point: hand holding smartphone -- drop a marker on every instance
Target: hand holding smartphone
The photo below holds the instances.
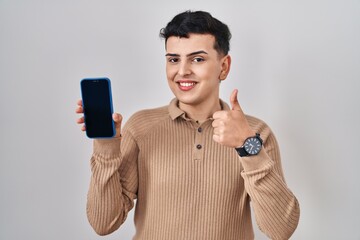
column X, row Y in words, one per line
column 97, row 107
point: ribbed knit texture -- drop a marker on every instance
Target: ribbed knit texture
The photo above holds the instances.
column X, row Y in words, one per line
column 187, row 186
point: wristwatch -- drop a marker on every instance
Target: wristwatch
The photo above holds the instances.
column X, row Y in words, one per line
column 252, row 146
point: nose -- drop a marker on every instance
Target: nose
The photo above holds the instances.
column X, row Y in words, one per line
column 184, row 69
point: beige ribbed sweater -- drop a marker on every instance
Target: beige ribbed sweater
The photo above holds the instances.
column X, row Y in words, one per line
column 187, row 186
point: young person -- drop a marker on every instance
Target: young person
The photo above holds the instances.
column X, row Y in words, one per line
column 195, row 164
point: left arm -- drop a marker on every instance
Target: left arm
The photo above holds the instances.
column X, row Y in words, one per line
column 276, row 208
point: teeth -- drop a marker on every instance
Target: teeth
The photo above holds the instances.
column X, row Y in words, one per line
column 185, row 84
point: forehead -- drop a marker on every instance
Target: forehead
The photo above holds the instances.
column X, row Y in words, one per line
column 194, row 42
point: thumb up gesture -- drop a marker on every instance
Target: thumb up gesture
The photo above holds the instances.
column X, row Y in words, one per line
column 230, row 126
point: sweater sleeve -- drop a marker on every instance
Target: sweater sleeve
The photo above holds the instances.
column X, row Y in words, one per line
column 276, row 208
column 113, row 184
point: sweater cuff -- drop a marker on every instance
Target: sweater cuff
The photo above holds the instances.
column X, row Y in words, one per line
column 255, row 162
column 107, row 147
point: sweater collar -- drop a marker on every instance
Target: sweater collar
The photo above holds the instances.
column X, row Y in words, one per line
column 175, row 111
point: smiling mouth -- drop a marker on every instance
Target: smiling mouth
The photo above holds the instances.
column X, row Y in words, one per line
column 186, row 85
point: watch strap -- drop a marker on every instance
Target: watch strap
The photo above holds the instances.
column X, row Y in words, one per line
column 241, row 151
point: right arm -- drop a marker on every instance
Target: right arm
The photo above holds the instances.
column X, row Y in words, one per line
column 114, row 179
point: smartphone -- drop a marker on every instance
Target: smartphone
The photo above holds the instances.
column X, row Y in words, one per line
column 98, row 109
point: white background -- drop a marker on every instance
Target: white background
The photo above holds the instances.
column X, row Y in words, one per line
column 296, row 65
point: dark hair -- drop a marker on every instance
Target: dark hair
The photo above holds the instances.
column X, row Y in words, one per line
column 198, row 22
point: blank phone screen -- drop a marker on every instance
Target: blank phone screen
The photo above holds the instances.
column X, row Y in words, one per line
column 97, row 104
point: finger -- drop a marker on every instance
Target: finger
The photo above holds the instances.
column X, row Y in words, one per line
column 83, row 128
column 217, row 131
column 79, row 109
column 80, row 120
column 234, row 101
column 214, row 124
column 216, row 115
column 219, row 114
column 79, row 102
column 216, row 138
column 217, row 123
column 117, row 117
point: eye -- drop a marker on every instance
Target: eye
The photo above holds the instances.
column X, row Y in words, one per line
column 173, row 60
column 198, row 59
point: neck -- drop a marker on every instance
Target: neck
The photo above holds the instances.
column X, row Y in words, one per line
column 201, row 112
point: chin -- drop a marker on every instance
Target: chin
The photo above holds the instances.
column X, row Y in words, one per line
column 188, row 100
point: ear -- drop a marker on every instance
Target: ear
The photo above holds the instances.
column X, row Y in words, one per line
column 225, row 67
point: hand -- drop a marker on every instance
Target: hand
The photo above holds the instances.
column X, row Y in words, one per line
column 116, row 117
column 230, row 126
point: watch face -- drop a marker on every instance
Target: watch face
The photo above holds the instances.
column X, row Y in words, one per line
column 252, row 145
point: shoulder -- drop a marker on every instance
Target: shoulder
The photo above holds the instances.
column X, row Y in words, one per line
column 144, row 120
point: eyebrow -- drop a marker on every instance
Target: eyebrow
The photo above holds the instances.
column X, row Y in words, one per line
column 188, row 55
